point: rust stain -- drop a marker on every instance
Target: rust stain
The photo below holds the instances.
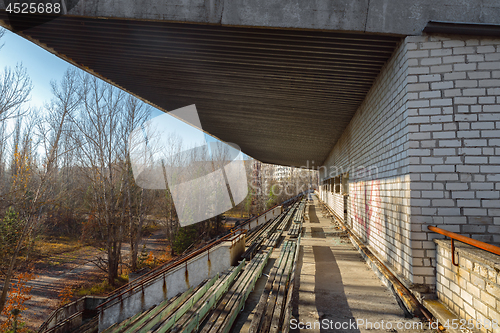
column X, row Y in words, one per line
column 121, row 308
column 209, row 264
column 164, row 287
column 143, row 300
column 186, row 276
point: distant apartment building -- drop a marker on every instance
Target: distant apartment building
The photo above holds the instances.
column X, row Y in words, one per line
column 282, row 172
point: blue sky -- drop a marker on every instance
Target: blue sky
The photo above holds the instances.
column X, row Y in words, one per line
column 43, row 67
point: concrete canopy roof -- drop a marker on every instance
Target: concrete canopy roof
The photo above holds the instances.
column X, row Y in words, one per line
column 284, row 96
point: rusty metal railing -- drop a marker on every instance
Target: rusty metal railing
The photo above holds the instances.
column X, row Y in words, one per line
column 118, row 293
column 285, row 203
column 255, row 217
column 464, row 239
column 122, row 291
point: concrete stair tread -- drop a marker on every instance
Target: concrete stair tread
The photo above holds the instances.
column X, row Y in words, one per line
column 442, row 314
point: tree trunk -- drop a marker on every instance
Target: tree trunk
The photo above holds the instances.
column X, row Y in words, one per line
column 112, row 263
column 136, row 235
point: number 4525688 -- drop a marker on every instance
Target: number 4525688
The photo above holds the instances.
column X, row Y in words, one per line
column 33, row 8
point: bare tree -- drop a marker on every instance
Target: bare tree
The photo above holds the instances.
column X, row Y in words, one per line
column 135, row 115
column 55, row 127
column 101, row 159
column 32, row 182
column 4, row 135
column 20, row 196
column 15, row 89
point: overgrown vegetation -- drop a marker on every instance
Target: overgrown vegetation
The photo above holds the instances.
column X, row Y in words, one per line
column 101, row 288
column 185, row 238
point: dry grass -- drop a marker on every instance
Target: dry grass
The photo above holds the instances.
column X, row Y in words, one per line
column 100, row 288
column 237, row 214
column 48, row 246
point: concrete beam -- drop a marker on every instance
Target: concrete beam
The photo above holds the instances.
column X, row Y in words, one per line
column 402, row 17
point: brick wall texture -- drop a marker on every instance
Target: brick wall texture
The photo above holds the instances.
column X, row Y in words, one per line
column 454, row 132
column 373, row 150
column 471, row 289
column 424, row 149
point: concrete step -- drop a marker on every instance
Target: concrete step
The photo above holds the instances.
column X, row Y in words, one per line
column 442, row 314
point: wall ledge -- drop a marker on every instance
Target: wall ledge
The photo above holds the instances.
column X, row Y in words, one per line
column 472, row 253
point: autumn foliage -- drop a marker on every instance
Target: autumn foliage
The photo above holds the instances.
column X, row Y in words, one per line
column 65, row 294
column 19, row 293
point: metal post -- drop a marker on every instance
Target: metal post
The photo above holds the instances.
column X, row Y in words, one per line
column 453, row 252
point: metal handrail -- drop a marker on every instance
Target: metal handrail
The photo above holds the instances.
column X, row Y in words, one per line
column 464, row 239
column 467, row 240
column 270, row 209
column 43, row 327
column 255, row 217
column 118, row 293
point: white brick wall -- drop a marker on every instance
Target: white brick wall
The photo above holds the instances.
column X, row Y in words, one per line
column 376, row 140
column 429, row 129
column 454, row 138
column 471, row 290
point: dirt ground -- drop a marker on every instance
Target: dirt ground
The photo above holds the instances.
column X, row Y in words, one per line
column 71, row 268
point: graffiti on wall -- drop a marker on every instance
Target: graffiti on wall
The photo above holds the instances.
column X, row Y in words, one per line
column 366, row 206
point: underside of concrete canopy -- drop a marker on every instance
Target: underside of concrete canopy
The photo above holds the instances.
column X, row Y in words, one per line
column 280, row 79
column 284, row 97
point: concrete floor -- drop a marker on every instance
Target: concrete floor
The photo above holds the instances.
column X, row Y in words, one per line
column 337, row 288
